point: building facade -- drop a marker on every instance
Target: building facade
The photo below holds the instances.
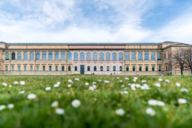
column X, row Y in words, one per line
column 88, row 58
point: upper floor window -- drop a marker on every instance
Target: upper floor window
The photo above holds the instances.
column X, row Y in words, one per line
column 120, row 56
column 101, row 56
column 107, row 56
column 13, row 56
column 44, row 56
column 75, row 56
column 158, row 56
column 37, row 56
column 146, row 56
column 19, row 56
column 69, row 56
column 126, row 56
column 133, row 56
column 139, row 56
column 94, row 56
column 50, row 56
column 25, row 56
column 62, row 56
column 152, row 56
column 31, row 56
column 88, row 56
column 82, row 56
column 114, row 56
column 6, row 56
column 56, row 56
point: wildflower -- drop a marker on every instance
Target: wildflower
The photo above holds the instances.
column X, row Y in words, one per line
column 106, row 81
column 99, row 80
column 56, row 85
column 125, row 92
column 135, row 78
column 146, row 86
column 2, row 107
column 160, row 79
column 31, row 96
column 167, row 81
column 70, row 81
column 15, row 82
column 55, row 104
column 48, row 88
column 117, row 77
column 150, row 111
column 153, row 102
column 158, row 85
column 94, row 83
column 69, row 85
column 21, row 92
column 133, row 88
column 138, row 85
column 10, row 85
column 10, row 106
column 120, row 81
column 143, row 81
column 59, row 111
column 178, row 84
column 160, row 103
column 182, row 101
column 91, row 88
column 120, row 112
column 184, row 90
column 129, row 84
column 76, row 103
column 94, row 86
column 86, row 83
column 22, row 82
column 126, row 78
column 122, row 86
column 77, row 79
column 4, row 84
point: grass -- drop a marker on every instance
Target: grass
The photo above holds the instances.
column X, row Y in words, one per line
column 97, row 107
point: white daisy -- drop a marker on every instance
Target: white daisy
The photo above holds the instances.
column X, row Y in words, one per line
column 143, row 81
column 76, row 103
column 4, row 84
column 21, row 92
column 182, row 101
column 22, row 82
column 31, row 96
column 120, row 112
column 106, row 81
column 59, row 111
column 126, row 78
column 117, row 77
column 94, row 83
column 56, row 85
column 94, row 86
column 153, row 102
column 2, row 107
column 47, row 88
column 120, row 81
column 99, row 80
column 77, row 79
column 160, row 79
column 69, row 85
column 158, row 85
column 178, row 84
column 10, row 85
column 138, row 85
column 10, row 106
column 15, row 82
column 91, row 88
column 184, row 90
column 167, row 81
column 160, row 103
column 150, row 111
column 86, row 83
column 55, row 104
column 70, row 81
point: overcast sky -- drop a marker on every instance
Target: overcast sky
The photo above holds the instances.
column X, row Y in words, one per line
column 96, row 20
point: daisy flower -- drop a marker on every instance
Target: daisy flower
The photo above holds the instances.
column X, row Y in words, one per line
column 76, row 103
column 120, row 112
column 59, row 111
column 150, row 111
column 22, row 82
column 55, row 104
column 31, row 96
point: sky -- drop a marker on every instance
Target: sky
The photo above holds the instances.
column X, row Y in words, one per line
column 95, row 21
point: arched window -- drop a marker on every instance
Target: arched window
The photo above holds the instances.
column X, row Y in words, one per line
column 120, row 68
column 95, row 68
column 126, row 56
column 101, row 68
column 101, row 56
column 120, row 56
column 88, row 56
column 114, row 68
column 19, row 56
column 94, row 56
column 37, row 56
column 152, row 56
column 44, row 56
column 62, row 56
column 114, row 56
column 133, row 56
column 69, row 56
column 158, row 56
column 82, row 56
column 6, row 56
column 50, row 56
column 13, row 56
column 75, row 56
column 107, row 56
column 69, row 68
column 56, row 56
column 140, row 68
column 25, row 56
column 88, row 68
column 31, row 56
column 127, row 68
column 146, row 56
column 139, row 56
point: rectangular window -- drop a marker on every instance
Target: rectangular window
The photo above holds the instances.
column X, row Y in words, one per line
column 56, row 68
column 37, row 69
column 75, row 68
column 133, row 68
column 12, row 68
column 50, row 68
column 107, row 68
column 6, row 68
column 114, row 68
column 95, row 68
column 146, row 68
column 43, row 68
column 19, row 68
column 153, row 68
column 25, row 68
column 166, row 68
column 120, row 68
column 88, row 68
column 140, row 68
column 127, row 68
column 159, row 68
column 31, row 68
column 63, row 68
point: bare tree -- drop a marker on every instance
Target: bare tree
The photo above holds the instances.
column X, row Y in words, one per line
column 188, row 58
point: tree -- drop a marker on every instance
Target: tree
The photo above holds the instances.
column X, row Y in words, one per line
column 188, row 58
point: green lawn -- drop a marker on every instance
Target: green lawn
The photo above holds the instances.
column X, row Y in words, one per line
column 98, row 107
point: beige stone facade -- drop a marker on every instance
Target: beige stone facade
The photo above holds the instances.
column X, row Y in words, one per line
column 88, row 58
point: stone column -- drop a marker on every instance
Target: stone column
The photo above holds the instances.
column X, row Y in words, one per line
column 47, row 57
column 143, row 56
column 149, row 55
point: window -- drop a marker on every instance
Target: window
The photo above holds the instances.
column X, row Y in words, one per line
column 120, row 68
column 31, row 68
column 13, row 56
column 114, row 68
column 18, row 68
column 127, row 68
column 101, row 68
column 69, row 68
column 44, row 56
column 153, row 68
column 94, row 56
column 126, row 56
column 37, row 68
column 120, row 56
column 56, row 68
column 25, row 56
column 82, row 57
column 25, row 68
column 56, row 56
column 146, row 68
column 50, row 56
column 75, row 68
column 114, row 56
column 38, row 56
column 152, row 56
column 63, row 68
column 31, row 56
column 7, row 56
column 12, row 68
column 75, row 56
column 166, row 68
column 50, row 68
column 69, row 56
column 62, row 56
column 43, row 68
column 133, row 68
column 6, row 68
column 146, row 56
column 88, row 56
column 107, row 68
column 133, row 56
column 95, row 68
column 19, row 56
column 101, row 56
column 140, row 68
column 158, row 56
column 107, row 56
column 159, row 68
column 139, row 56
column 88, row 68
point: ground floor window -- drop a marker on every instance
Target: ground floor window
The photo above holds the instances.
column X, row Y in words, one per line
column 75, row 68
column 166, row 68
column 120, row 68
column 101, row 68
column 153, row 68
column 50, row 68
column 6, row 68
column 19, row 68
column 159, row 68
column 88, row 68
column 146, row 68
column 69, row 68
column 114, row 68
column 43, row 68
column 56, row 68
column 140, row 68
column 127, row 68
column 37, row 68
column 63, row 68
column 12, row 68
column 133, row 68
column 107, row 68
column 25, row 68
column 31, row 68
column 95, row 68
